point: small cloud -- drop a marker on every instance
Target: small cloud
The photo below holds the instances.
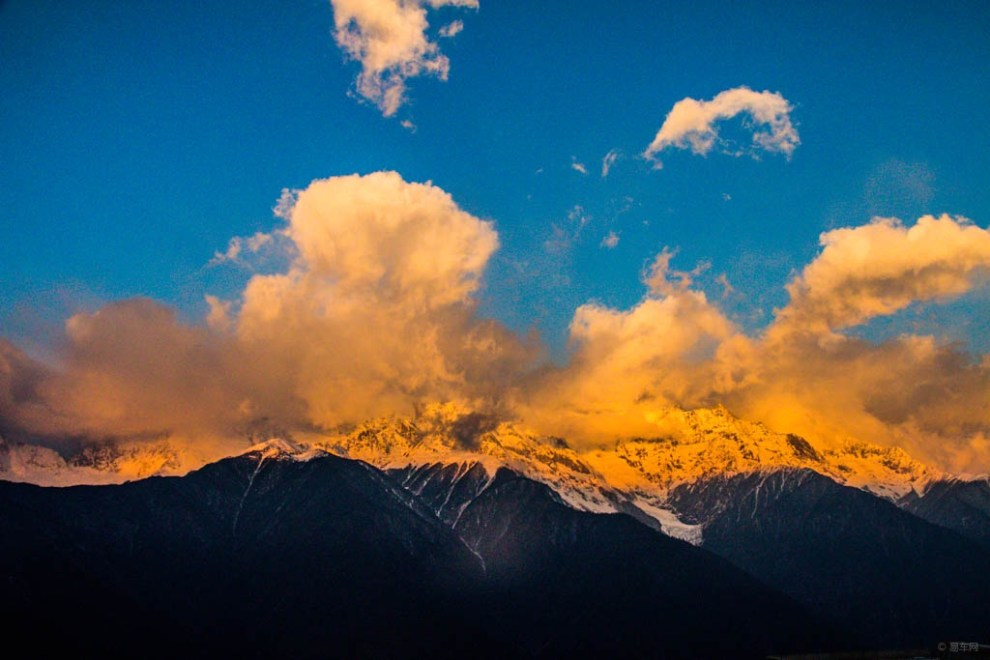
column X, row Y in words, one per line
column 578, row 166
column 578, row 216
column 662, row 280
column 608, row 161
column 389, row 39
column 693, row 124
column 408, row 125
column 727, row 288
column 726, row 197
column 238, row 245
column 610, row 241
column 451, row 29
column 564, row 235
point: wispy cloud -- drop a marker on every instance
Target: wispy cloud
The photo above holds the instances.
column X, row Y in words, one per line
column 608, row 161
column 565, row 234
column 610, row 241
column 238, row 246
column 389, row 38
column 694, row 124
column 578, row 166
column 452, row 29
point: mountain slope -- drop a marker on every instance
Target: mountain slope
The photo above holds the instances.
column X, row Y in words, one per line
column 892, row 578
column 626, row 475
column 276, row 554
column 960, row 505
column 568, row 583
column 259, row 553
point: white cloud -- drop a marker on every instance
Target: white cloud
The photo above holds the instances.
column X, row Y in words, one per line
column 608, row 161
column 389, row 38
column 578, row 166
column 694, row 124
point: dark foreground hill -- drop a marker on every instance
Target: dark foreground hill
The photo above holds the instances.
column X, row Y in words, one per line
column 266, row 555
column 882, row 573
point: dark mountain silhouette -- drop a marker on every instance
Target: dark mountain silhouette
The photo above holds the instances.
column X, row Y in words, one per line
column 963, row 506
column 890, row 577
column 257, row 554
column 267, row 555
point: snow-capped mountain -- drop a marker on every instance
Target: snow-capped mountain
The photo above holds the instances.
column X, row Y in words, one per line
column 633, row 476
column 527, row 518
column 105, row 463
column 277, row 553
column 707, row 442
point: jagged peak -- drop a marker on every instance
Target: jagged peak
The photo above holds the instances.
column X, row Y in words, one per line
column 283, row 449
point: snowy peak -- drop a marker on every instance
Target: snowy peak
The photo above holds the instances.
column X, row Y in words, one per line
column 92, row 464
column 274, row 448
column 432, row 453
column 633, row 476
column 707, row 442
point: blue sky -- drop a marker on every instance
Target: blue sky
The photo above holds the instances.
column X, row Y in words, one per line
column 137, row 138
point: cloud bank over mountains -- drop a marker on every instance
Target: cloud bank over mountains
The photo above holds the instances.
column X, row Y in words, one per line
column 375, row 314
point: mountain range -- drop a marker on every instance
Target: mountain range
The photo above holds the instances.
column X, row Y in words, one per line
column 454, row 533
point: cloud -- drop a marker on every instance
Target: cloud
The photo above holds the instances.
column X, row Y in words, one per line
column 881, row 268
column 389, row 38
column 662, row 280
column 578, row 166
column 238, row 245
column 611, row 241
column 802, row 374
column 373, row 314
column 727, row 288
column 608, row 161
column 564, row 235
column 694, row 124
column 22, row 379
column 624, row 364
column 452, row 29
column 377, row 312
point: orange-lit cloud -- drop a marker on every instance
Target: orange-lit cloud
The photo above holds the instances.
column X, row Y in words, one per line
column 801, row 375
column 374, row 314
column 881, row 268
column 389, row 38
column 694, row 124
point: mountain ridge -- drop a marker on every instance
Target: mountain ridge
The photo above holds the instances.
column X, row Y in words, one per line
column 270, row 555
column 633, row 476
